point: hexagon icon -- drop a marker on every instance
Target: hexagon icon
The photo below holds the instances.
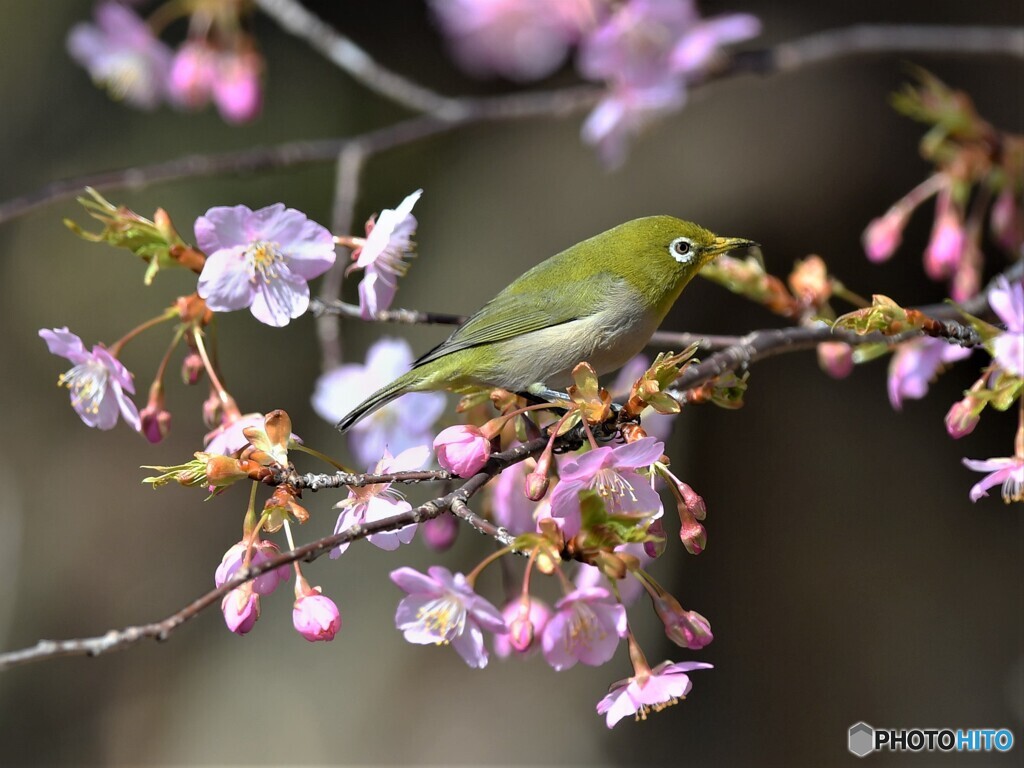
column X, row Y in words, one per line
column 861, row 739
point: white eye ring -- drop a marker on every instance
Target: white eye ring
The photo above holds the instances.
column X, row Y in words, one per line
column 681, row 249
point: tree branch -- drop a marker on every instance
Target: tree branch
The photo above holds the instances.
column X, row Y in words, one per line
column 117, row 639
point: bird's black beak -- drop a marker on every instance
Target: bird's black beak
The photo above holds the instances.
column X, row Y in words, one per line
column 725, row 244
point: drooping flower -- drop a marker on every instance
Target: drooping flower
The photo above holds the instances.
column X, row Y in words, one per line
column 1008, row 471
column 123, row 55
column 229, row 437
column 884, row 234
column 261, row 260
column 519, row 39
column 382, row 256
column 376, row 502
column 442, row 608
column 949, row 239
column 1008, row 302
column 462, row 449
column 192, row 75
column 586, row 627
column 401, row 424
column 915, row 364
column 612, row 473
column 263, row 551
column 630, row 588
column 99, row 383
column 525, row 619
column 237, row 89
column 314, row 615
column 241, row 608
column 652, row 689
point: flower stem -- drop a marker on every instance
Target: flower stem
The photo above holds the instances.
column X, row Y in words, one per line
column 472, row 576
column 225, row 398
column 168, row 314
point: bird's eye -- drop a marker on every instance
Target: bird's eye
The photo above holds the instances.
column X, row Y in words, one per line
column 681, row 250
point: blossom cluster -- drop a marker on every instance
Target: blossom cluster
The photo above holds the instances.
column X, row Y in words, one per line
column 644, row 52
column 218, row 61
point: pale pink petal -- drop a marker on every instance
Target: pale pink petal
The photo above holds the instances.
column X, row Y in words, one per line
column 225, row 283
column 280, row 300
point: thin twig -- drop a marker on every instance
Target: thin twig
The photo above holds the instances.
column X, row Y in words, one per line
column 482, row 525
column 318, row 482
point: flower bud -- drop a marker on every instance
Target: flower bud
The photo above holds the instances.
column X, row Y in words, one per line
column 694, row 537
column 462, row 449
column 883, row 235
column 236, row 89
column 687, row 629
column 526, row 618
column 439, row 533
column 810, row 283
column 156, row 423
column 536, row 486
column 694, row 501
column 192, row 369
column 835, row 359
column 1007, row 219
column 241, row 609
column 262, row 552
column 946, row 247
column 193, row 72
column 316, row 616
column 962, row 418
column 213, row 411
column 655, row 546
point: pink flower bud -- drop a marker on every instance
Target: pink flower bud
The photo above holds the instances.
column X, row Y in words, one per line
column 156, row 423
column 241, row 608
column 213, row 411
column 946, row 247
column 192, row 369
column 462, row 449
column 316, row 616
column 687, row 629
column 536, row 486
column 883, row 235
column 961, row 419
column 967, row 280
column 655, row 547
column 526, row 618
column 262, row 552
column 439, row 533
column 835, row 359
column 694, row 537
column 694, row 501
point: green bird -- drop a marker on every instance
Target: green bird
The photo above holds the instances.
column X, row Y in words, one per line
column 599, row 301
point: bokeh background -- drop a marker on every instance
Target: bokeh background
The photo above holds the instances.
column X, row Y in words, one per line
column 847, row 577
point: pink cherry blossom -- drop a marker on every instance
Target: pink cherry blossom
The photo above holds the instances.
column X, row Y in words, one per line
column 519, row 39
column 261, row 260
column 263, row 551
column 382, row 256
column 462, row 449
column 122, row 54
column 699, row 46
column 1008, row 471
column 237, row 89
column 440, row 533
column 376, row 502
column 511, row 508
column 442, row 607
column 1007, row 300
column 99, row 383
column 612, row 473
column 948, row 241
column 586, row 627
column 316, row 617
column 241, row 608
column 400, row 424
column 915, row 364
column 883, row 235
column 654, row 690
column 630, row 588
column 192, row 75
column 229, row 437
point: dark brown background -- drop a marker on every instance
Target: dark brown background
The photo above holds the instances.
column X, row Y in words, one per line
column 847, row 577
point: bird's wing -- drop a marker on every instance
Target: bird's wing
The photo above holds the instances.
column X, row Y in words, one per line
column 509, row 315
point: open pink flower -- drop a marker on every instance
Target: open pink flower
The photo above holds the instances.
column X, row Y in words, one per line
column 261, row 260
column 442, row 608
column 98, row 381
column 1007, row 301
column 376, row 502
column 1008, row 471
column 382, row 256
column 587, row 626
column 401, row 424
column 462, row 449
column 915, row 364
column 654, row 690
column 612, row 473
column 123, row 55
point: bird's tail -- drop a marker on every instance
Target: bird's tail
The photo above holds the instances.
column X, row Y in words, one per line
column 404, row 383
